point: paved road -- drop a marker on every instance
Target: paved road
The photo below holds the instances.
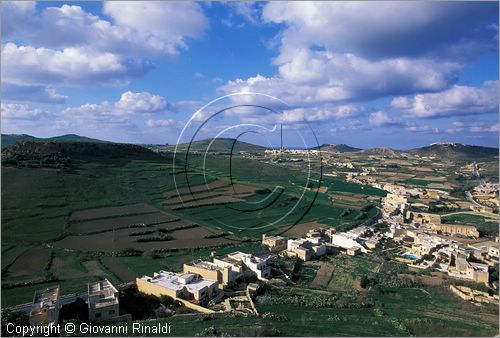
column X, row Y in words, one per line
column 469, row 197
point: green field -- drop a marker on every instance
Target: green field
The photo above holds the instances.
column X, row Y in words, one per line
column 38, row 204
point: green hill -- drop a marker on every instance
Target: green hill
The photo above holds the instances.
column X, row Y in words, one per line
column 60, row 154
column 381, row 151
column 337, row 148
column 456, row 152
column 220, row 145
column 11, row 139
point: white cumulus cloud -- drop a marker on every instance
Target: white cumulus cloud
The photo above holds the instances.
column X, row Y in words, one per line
column 15, row 111
column 458, row 100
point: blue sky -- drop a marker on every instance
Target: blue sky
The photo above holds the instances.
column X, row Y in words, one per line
column 397, row 74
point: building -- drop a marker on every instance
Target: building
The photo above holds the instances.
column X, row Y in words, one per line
column 306, row 249
column 424, row 244
column 396, row 231
column 393, row 203
column 422, row 218
column 472, row 295
column 468, row 270
column 354, row 251
column 493, row 252
column 237, row 260
column 328, row 234
column 224, row 275
column 346, row 242
column 103, row 301
column 456, row 229
column 45, row 308
column 274, row 243
column 187, row 286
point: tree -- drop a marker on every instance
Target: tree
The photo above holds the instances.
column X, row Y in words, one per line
column 19, row 318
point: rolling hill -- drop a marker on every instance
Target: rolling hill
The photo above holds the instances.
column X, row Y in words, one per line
column 58, row 154
column 336, row 148
column 220, row 145
column 11, row 139
column 456, row 151
column 381, row 151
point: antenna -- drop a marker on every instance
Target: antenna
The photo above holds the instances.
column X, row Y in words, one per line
column 281, row 135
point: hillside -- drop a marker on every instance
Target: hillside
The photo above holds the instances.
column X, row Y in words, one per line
column 456, row 152
column 381, row 151
column 220, row 145
column 337, row 148
column 53, row 154
column 11, row 139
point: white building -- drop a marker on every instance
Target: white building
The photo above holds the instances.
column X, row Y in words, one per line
column 238, row 259
column 103, row 301
column 346, row 242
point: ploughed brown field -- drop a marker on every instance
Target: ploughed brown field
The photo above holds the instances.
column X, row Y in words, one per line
column 215, row 192
column 117, row 240
column 120, row 222
column 124, row 210
column 139, row 226
column 127, row 216
column 301, row 229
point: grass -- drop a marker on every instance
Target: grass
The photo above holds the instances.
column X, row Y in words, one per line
column 416, row 181
column 348, row 270
column 445, row 314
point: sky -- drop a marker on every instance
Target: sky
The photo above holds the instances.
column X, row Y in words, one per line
column 367, row 74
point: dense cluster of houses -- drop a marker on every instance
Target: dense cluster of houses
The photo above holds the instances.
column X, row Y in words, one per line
column 430, row 243
column 321, row 241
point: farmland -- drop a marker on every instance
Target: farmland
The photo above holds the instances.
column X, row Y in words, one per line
column 122, row 218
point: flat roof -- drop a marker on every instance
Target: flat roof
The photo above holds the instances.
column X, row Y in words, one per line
column 205, row 265
column 275, row 238
column 170, row 280
column 101, row 294
column 46, row 298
